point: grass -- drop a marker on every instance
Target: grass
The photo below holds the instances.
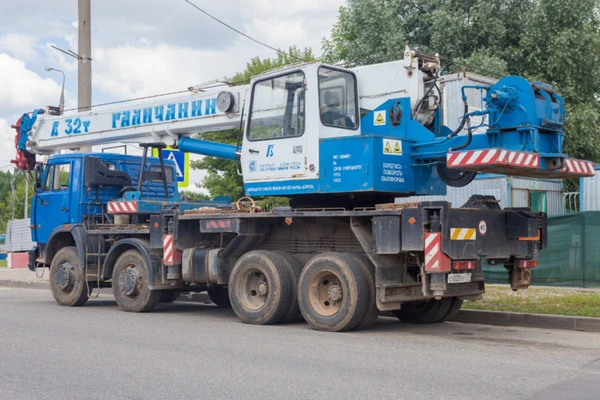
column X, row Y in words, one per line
column 555, row 301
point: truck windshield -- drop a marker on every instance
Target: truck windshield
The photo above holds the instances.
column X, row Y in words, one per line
column 277, row 108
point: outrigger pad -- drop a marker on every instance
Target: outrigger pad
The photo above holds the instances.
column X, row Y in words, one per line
column 519, row 163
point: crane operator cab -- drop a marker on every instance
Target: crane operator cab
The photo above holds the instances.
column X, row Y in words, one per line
column 287, row 121
column 315, row 129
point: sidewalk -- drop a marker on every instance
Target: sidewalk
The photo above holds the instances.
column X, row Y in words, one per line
column 24, row 278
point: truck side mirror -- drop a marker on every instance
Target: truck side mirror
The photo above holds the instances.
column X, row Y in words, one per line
column 39, row 172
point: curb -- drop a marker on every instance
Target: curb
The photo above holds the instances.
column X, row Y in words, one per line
column 26, row 284
column 500, row 318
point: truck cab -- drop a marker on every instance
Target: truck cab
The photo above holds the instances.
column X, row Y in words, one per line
column 73, row 190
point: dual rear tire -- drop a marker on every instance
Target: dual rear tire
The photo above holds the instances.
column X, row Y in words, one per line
column 333, row 292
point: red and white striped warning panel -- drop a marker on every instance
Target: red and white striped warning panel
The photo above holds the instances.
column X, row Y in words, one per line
column 171, row 256
column 579, row 167
column 435, row 259
column 493, row 157
column 120, row 207
column 517, row 163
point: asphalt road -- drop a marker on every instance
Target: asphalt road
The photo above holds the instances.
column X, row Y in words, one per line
column 196, row 351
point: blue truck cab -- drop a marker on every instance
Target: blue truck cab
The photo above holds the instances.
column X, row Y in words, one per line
column 73, row 190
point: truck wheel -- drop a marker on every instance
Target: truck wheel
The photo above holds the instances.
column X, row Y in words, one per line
column 169, row 296
column 455, row 306
column 130, row 283
column 424, row 312
column 294, row 268
column 260, row 288
column 333, row 292
column 369, row 273
column 67, row 278
column 219, row 296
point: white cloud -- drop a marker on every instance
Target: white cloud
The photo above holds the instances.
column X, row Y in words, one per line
column 22, row 90
column 18, row 45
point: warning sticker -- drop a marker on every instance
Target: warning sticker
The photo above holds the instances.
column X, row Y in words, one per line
column 379, row 118
column 392, row 147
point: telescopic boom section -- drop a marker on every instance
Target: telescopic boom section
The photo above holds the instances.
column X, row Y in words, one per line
column 157, row 120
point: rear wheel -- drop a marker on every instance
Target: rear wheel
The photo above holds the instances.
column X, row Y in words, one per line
column 369, row 273
column 260, row 288
column 455, row 306
column 294, row 268
column 425, row 312
column 130, row 282
column 67, row 278
column 333, row 293
column 219, row 296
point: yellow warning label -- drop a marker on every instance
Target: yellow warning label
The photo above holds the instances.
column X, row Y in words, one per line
column 379, row 118
column 387, row 149
column 392, row 147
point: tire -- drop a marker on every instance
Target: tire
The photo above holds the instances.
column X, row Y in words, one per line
column 332, row 292
column 455, row 306
column 260, row 288
column 369, row 274
column 130, row 283
column 219, row 296
column 67, row 278
column 424, row 312
column 169, row 296
column 294, row 268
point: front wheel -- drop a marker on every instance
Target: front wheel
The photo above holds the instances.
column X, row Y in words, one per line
column 131, row 285
column 67, row 278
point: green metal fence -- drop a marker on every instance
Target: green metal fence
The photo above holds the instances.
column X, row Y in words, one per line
column 572, row 257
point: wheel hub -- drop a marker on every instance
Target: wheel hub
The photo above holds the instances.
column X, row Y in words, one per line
column 263, row 289
column 334, row 292
column 63, row 277
column 128, row 281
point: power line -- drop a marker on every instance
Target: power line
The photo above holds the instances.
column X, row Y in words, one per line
column 240, row 32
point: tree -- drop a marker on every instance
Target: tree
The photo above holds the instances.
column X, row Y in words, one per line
column 553, row 41
column 12, row 197
column 222, row 178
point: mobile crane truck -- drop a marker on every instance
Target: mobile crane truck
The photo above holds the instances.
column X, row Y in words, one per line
column 342, row 144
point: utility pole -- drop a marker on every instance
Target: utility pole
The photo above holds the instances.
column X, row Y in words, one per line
column 84, row 65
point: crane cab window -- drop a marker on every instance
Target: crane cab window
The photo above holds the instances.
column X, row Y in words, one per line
column 57, row 177
column 277, row 108
column 337, row 98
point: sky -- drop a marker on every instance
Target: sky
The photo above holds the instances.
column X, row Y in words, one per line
column 141, row 47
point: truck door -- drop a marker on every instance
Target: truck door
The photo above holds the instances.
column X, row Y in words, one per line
column 53, row 200
column 275, row 144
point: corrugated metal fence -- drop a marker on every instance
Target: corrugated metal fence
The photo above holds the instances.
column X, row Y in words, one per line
column 18, row 236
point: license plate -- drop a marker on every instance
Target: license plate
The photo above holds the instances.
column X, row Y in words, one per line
column 459, row 278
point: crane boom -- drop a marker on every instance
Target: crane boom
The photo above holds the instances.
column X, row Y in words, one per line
column 161, row 120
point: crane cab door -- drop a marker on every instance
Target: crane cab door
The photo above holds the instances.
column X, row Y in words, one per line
column 278, row 152
column 53, row 200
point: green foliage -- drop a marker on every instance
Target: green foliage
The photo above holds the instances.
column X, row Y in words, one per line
column 9, row 209
column 222, row 178
column 257, row 66
column 553, row 41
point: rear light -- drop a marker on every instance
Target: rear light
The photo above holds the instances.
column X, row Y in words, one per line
column 464, row 264
column 527, row 263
